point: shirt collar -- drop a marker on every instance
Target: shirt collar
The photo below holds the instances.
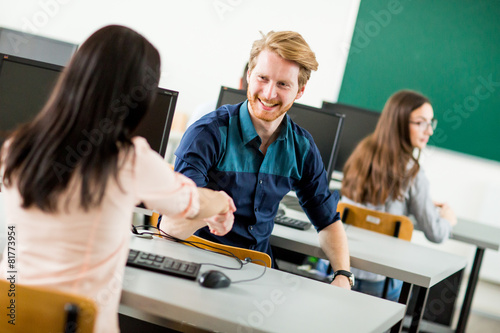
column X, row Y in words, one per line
column 285, row 126
column 248, row 132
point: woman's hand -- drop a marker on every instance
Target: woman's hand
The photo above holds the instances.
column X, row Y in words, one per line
column 446, row 212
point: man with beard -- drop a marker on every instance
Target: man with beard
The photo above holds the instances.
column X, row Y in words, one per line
column 254, row 152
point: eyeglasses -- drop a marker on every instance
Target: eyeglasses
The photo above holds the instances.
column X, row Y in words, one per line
column 423, row 125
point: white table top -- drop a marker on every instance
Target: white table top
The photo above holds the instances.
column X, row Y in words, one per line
column 277, row 302
column 376, row 253
column 482, row 235
column 479, row 234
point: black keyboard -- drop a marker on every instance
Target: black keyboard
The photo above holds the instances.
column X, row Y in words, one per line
column 161, row 264
column 291, row 202
column 292, row 223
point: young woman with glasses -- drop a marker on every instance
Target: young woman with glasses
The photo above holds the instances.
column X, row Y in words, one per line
column 383, row 173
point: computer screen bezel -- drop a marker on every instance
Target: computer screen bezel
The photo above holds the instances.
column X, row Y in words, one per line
column 344, row 109
column 31, row 62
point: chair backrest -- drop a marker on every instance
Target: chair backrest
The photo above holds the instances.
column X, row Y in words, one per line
column 37, row 309
column 257, row 257
column 393, row 225
column 239, row 252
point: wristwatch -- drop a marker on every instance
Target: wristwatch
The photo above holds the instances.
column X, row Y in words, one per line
column 349, row 275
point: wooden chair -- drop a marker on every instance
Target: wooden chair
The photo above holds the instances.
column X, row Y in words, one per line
column 37, row 309
column 259, row 258
column 398, row 226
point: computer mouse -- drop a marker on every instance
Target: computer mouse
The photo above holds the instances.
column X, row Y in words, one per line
column 214, row 279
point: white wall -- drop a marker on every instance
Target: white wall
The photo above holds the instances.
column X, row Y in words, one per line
column 471, row 186
column 205, row 43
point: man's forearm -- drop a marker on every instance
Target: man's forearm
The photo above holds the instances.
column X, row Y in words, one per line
column 333, row 241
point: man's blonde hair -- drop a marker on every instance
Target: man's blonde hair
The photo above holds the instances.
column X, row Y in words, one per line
column 290, row 46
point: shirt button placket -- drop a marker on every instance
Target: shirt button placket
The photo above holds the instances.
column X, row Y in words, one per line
column 260, row 182
column 258, row 190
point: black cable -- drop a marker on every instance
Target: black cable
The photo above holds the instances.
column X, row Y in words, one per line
column 162, row 233
column 228, row 253
column 256, row 278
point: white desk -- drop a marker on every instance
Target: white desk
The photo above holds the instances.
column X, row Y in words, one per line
column 277, row 302
column 483, row 237
column 377, row 253
column 478, row 234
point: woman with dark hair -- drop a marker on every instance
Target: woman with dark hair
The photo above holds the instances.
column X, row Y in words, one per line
column 74, row 174
column 383, row 174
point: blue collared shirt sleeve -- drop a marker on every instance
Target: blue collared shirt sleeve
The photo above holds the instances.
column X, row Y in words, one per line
column 319, row 204
column 198, row 152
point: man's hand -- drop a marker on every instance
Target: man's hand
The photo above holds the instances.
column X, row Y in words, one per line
column 342, row 282
column 219, row 224
column 222, row 223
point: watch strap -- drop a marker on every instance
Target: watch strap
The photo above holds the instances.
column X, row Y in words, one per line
column 347, row 274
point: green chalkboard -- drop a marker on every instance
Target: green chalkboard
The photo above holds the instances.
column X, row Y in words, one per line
column 449, row 50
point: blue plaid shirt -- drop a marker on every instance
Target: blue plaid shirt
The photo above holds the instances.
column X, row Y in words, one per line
column 221, row 151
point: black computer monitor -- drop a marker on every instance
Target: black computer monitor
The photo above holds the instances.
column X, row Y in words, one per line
column 25, row 86
column 325, row 126
column 25, row 45
column 231, row 96
column 358, row 124
column 155, row 126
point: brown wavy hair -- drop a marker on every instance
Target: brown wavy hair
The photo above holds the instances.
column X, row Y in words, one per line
column 380, row 166
column 99, row 99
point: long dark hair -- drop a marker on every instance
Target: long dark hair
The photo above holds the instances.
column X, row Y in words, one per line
column 99, row 99
column 378, row 167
